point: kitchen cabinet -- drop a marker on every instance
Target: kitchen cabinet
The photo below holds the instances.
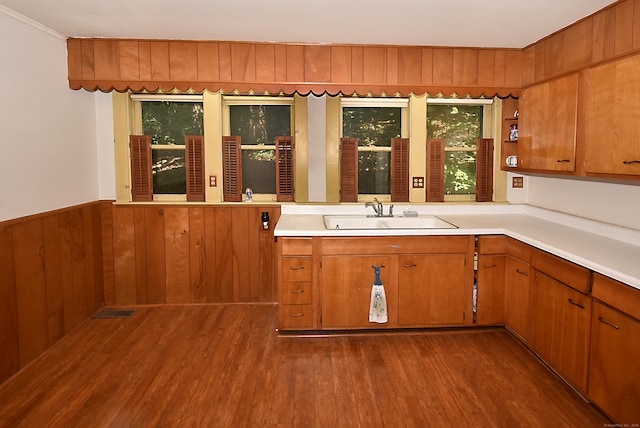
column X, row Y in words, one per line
column 428, row 281
column 490, row 274
column 612, row 134
column 548, row 125
column 509, row 144
column 614, row 367
column 517, row 298
column 295, row 279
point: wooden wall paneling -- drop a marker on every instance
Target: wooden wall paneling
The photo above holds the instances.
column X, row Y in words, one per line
column 391, row 68
column 426, row 77
column 554, row 58
column 280, row 53
column 442, row 66
column 317, row 64
column 176, row 255
column 224, row 61
column 578, row 45
column 74, row 59
column 409, row 65
column 160, row 61
column 241, row 260
column 357, row 64
column 74, row 275
column 207, row 59
column 53, row 277
column 295, row 63
column 155, row 255
column 243, row 62
column 267, row 284
column 108, row 276
column 223, row 261
column 9, row 357
column 106, row 59
column 528, row 65
column 265, row 63
column 465, row 67
column 636, row 25
column 624, row 27
column 603, row 39
column 124, row 259
column 144, row 60
column 254, row 278
column 31, row 293
column 129, row 60
column 541, row 60
column 487, row 70
column 197, row 256
column 94, row 223
column 513, row 66
column 341, row 64
column 183, row 61
column 139, row 242
column 374, row 62
column 88, row 62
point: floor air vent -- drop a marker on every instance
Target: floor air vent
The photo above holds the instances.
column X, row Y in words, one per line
column 115, row 313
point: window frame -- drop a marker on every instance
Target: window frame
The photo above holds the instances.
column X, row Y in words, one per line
column 244, row 100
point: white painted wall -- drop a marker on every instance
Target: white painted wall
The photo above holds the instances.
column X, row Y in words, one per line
column 48, row 132
column 317, row 148
column 617, row 204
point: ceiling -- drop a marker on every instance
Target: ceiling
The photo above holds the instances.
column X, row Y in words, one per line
column 478, row 23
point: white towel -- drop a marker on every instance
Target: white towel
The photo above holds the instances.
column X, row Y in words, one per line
column 378, row 305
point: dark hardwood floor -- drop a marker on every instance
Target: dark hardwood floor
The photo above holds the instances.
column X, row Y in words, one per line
column 225, row 366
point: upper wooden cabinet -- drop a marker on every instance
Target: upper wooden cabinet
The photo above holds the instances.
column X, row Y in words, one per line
column 612, row 137
column 547, row 132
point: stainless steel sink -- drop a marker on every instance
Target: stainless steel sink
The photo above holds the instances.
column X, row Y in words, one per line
column 359, row 222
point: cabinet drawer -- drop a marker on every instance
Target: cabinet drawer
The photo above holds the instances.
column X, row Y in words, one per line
column 564, row 271
column 296, row 268
column 295, row 317
column 492, row 244
column 297, row 246
column 397, row 245
column 296, row 292
column 619, row 295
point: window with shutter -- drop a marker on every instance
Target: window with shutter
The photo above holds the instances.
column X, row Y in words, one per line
column 348, row 170
column 194, row 147
column 141, row 180
column 284, row 168
column 435, row 170
column 400, row 170
column 232, row 169
column 484, row 170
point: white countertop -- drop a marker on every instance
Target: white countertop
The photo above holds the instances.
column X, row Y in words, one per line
column 607, row 249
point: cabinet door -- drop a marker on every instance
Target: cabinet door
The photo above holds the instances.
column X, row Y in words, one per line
column 346, row 290
column 517, row 298
column 548, row 117
column 562, row 328
column 490, row 294
column 432, row 290
column 614, row 368
column 612, row 134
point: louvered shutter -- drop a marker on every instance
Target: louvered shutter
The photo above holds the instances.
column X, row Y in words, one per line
column 194, row 152
column 141, row 178
column 348, row 169
column 484, row 170
column 284, row 169
column 435, row 170
column 232, row 169
column 400, row 170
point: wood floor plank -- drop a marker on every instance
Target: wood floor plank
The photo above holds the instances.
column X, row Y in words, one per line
column 225, row 366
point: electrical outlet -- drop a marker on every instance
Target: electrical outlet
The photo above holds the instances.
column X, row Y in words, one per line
column 418, row 182
column 517, row 182
column 213, row 181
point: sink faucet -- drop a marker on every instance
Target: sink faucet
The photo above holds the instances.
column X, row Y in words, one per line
column 378, row 208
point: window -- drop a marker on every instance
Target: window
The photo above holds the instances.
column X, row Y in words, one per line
column 262, row 127
column 374, row 127
column 169, row 148
column 461, row 127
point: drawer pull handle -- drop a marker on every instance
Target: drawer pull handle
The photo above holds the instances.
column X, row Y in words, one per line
column 296, row 267
column 576, row 303
column 563, row 160
column 296, row 291
column 631, row 161
column 602, row 320
column 522, row 272
column 409, row 265
column 298, row 315
column 395, row 246
column 488, row 266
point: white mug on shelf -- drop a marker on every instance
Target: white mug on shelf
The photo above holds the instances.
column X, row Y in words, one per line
column 512, row 161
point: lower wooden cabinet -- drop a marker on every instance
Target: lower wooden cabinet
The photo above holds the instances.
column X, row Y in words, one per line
column 490, row 304
column 517, row 291
column 295, row 284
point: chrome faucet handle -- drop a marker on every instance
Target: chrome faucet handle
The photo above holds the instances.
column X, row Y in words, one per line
column 391, row 210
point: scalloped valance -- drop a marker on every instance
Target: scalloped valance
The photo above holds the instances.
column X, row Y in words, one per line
column 241, row 67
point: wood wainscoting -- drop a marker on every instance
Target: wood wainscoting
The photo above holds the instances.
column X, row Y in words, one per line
column 175, row 254
column 50, row 280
